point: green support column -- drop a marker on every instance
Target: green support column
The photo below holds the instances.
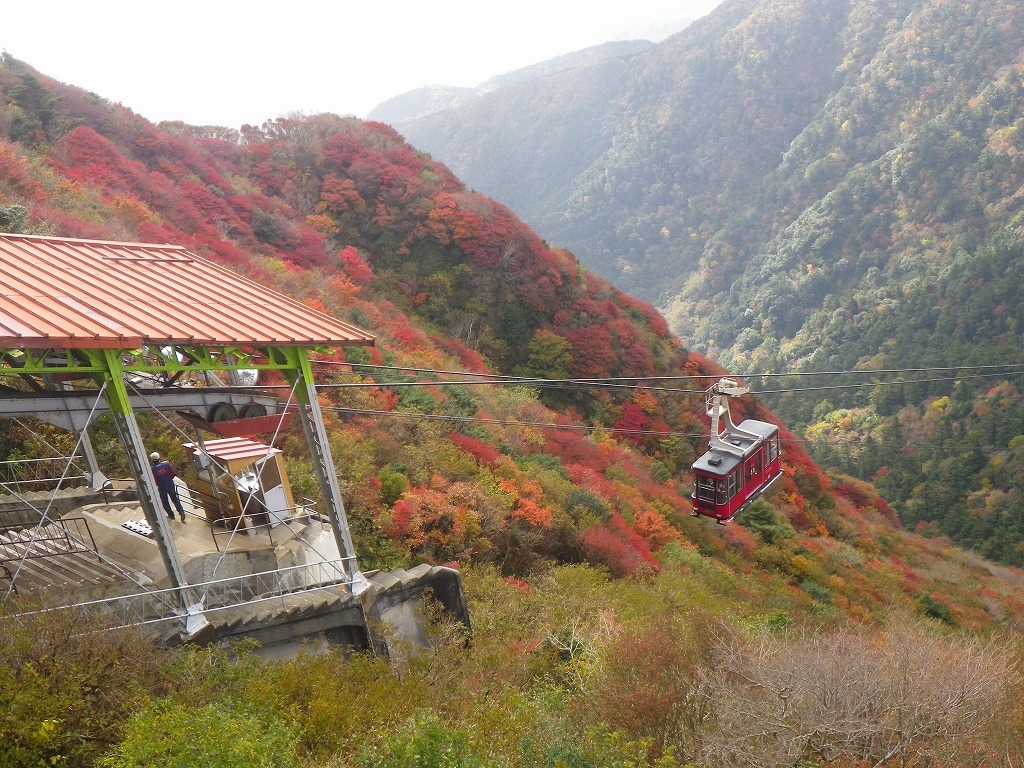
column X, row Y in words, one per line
column 149, row 495
column 313, row 426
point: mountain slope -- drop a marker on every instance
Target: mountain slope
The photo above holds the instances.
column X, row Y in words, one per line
column 346, row 216
column 809, row 186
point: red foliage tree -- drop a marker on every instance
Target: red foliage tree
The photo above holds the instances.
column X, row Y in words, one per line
column 479, row 450
column 615, row 545
column 655, row 529
column 631, row 424
column 355, row 266
column 592, row 353
column 15, row 180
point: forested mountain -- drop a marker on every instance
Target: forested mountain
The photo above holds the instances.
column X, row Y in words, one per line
column 346, row 216
column 610, row 627
column 808, row 186
column 431, row 99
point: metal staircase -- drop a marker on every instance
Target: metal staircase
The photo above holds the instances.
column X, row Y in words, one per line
column 58, row 556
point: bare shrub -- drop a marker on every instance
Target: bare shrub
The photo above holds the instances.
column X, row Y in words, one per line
column 906, row 697
column 648, row 682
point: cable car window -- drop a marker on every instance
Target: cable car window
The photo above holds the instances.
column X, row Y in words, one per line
column 722, row 497
column 706, row 488
column 773, row 448
column 734, row 484
column 755, row 464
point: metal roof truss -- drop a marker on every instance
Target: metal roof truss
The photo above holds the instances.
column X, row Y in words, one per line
column 170, row 360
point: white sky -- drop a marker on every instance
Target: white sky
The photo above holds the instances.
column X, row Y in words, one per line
column 228, row 63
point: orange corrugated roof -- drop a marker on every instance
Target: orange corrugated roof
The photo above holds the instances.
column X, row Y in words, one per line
column 232, row 449
column 66, row 293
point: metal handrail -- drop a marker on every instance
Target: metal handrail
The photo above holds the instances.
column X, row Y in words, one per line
column 306, row 510
column 294, row 515
column 118, row 485
column 78, row 532
column 216, row 595
column 73, row 545
column 22, row 471
column 60, row 481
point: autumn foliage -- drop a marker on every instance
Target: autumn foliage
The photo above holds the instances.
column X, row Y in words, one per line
column 498, row 425
column 482, row 427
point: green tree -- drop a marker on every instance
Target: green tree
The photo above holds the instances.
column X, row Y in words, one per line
column 426, row 742
column 549, row 356
column 12, row 217
column 35, row 118
column 217, row 735
column 763, row 519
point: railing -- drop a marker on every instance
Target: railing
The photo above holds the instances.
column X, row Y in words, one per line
column 71, row 533
column 45, row 474
column 116, row 487
column 175, row 604
column 247, row 525
column 78, row 530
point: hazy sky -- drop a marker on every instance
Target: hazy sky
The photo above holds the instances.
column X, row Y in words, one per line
column 229, row 63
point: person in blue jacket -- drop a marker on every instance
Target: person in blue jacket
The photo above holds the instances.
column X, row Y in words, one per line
column 164, row 474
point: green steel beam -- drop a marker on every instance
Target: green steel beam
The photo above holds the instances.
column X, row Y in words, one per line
column 124, row 419
column 179, row 359
column 300, row 372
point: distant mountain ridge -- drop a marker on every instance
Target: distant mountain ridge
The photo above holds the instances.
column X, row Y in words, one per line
column 420, row 102
column 431, row 99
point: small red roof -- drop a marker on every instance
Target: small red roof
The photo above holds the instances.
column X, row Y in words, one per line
column 232, row 449
column 59, row 292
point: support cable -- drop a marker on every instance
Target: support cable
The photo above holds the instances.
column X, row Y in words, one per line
column 45, row 513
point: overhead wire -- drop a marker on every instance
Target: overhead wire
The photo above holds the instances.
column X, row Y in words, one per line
column 332, row 363
column 639, row 382
column 508, row 422
column 864, row 385
column 865, row 372
column 468, row 378
column 601, row 384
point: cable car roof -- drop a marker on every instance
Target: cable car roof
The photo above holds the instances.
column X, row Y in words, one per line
column 719, row 462
column 88, row 294
column 761, row 428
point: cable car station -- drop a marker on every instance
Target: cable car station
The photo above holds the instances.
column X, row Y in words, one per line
column 90, row 329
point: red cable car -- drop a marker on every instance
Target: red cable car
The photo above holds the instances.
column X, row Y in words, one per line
column 741, row 461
